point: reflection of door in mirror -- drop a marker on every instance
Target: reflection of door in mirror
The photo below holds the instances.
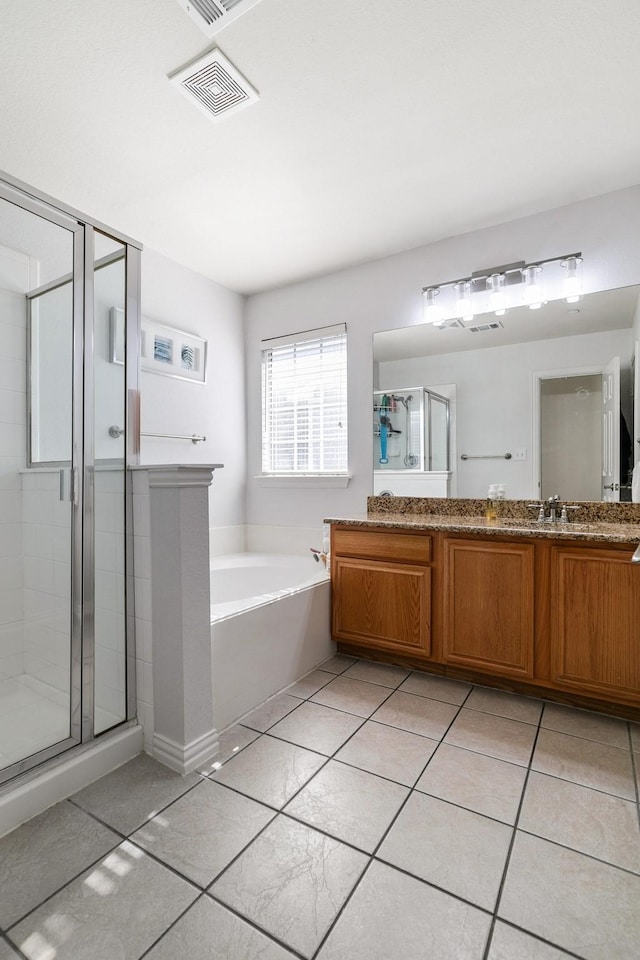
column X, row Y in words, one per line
column 580, row 435
column 571, row 437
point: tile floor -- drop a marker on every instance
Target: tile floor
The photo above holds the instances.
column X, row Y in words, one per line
column 368, row 813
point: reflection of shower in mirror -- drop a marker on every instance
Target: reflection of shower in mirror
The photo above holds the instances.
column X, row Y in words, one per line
column 411, row 437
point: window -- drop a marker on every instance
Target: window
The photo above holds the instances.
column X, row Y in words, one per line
column 304, row 403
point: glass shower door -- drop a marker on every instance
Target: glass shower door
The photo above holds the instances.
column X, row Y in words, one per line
column 40, row 303
column 109, row 478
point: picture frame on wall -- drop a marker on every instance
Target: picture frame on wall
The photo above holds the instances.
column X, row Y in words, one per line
column 172, row 353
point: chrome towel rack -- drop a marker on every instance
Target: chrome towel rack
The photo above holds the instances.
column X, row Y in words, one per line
column 194, row 437
column 485, row 456
column 116, row 432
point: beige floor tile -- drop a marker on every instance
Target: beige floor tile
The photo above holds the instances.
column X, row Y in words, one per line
column 231, row 742
column 575, row 902
column 383, row 673
column 348, row 803
column 587, row 820
column 133, row 793
column 437, row 688
column 587, row 762
column 269, row 770
column 388, row 752
column 587, row 724
column 394, row 917
column 635, row 737
column 72, row 840
column 203, row 831
column 291, row 882
column 310, row 684
column 429, row 718
column 352, row 696
column 118, row 908
column 7, row 952
column 503, row 704
column 508, row 943
column 208, row 931
column 475, row 781
column 317, row 727
column 497, row 737
column 460, row 851
column 338, row 663
column 270, row 712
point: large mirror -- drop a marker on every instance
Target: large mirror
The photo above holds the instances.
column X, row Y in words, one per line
column 541, row 401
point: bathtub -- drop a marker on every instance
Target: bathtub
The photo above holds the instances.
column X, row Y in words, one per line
column 270, row 624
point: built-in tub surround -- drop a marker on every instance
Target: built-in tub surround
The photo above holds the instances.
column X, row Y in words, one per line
column 276, row 639
column 270, row 614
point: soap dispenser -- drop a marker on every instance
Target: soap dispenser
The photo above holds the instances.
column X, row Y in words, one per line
column 490, row 510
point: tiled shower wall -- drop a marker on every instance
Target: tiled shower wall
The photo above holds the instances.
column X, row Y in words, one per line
column 13, row 323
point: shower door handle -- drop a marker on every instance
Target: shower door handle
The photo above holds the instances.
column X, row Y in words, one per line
column 72, row 494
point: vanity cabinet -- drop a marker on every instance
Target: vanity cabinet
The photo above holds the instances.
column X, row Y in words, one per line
column 595, row 621
column 382, row 590
column 488, row 606
column 535, row 614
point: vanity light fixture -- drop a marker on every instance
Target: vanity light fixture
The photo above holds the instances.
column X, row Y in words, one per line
column 497, row 289
column 532, row 286
column 497, row 297
column 572, row 285
column 463, row 300
column 431, row 310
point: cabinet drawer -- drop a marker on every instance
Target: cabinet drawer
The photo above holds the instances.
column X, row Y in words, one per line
column 382, row 545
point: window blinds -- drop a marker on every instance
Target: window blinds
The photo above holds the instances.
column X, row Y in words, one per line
column 304, row 403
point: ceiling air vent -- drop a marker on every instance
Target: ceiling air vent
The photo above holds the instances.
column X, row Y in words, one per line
column 214, row 15
column 481, row 327
column 214, row 85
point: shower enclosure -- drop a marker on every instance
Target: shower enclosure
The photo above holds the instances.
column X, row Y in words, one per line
column 69, row 290
column 411, row 430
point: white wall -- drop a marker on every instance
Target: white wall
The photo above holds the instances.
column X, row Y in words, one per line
column 495, row 401
column 178, row 297
column 385, row 294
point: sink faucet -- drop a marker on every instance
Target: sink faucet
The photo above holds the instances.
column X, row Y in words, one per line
column 558, row 512
column 554, row 507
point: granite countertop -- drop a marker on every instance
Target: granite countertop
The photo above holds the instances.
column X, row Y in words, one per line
column 574, row 530
column 591, row 520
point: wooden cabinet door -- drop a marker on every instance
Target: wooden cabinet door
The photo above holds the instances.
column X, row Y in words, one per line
column 596, row 620
column 488, row 606
column 384, row 606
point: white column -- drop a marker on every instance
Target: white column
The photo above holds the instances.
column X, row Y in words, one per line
column 184, row 735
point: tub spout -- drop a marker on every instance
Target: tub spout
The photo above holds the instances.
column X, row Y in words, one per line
column 318, row 555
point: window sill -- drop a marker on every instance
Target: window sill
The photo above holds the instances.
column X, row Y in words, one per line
column 314, row 481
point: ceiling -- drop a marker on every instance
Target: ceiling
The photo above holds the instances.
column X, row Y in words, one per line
column 381, row 125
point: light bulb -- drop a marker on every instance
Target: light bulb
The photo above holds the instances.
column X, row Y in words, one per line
column 497, row 298
column 430, row 309
column 463, row 300
column 532, row 287
column 572, row 285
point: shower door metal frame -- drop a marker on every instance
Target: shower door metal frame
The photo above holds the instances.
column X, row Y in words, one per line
column 82, row 633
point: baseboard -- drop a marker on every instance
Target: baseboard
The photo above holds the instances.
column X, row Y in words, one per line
column 183, row 758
